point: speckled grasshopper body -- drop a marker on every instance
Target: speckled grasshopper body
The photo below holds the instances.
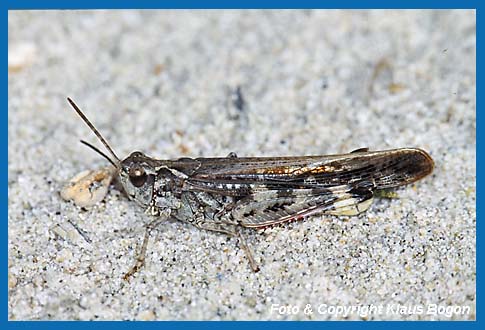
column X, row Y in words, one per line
column 228, row 193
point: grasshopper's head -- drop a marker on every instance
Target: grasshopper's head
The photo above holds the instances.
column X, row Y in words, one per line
column 137, row 176
column 136, row 173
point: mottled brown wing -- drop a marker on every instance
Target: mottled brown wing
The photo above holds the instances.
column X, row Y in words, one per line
column 243, row 176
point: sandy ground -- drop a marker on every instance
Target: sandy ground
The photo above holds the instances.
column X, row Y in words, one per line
column 312, row 82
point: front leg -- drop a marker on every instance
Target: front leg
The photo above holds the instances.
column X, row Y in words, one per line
column 140, row 259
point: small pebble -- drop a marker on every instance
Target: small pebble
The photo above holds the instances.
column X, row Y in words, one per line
column 12, row 281
column 20, row 56
column 88, row 187
column 146, row 315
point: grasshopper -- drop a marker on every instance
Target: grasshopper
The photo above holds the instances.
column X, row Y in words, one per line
column 226, row 194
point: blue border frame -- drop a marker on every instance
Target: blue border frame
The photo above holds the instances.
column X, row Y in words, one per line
column 193, row 4
column 7, row 5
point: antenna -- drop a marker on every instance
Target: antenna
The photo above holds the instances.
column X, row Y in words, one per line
column 99, row 152
column 98, row 135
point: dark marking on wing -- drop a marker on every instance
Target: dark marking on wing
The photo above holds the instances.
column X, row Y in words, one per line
column 385, row 169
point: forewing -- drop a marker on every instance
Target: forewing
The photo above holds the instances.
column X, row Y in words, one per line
column 386, row 169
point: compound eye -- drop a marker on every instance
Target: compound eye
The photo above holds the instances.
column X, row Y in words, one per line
column 136, row 154
column 138, row 177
